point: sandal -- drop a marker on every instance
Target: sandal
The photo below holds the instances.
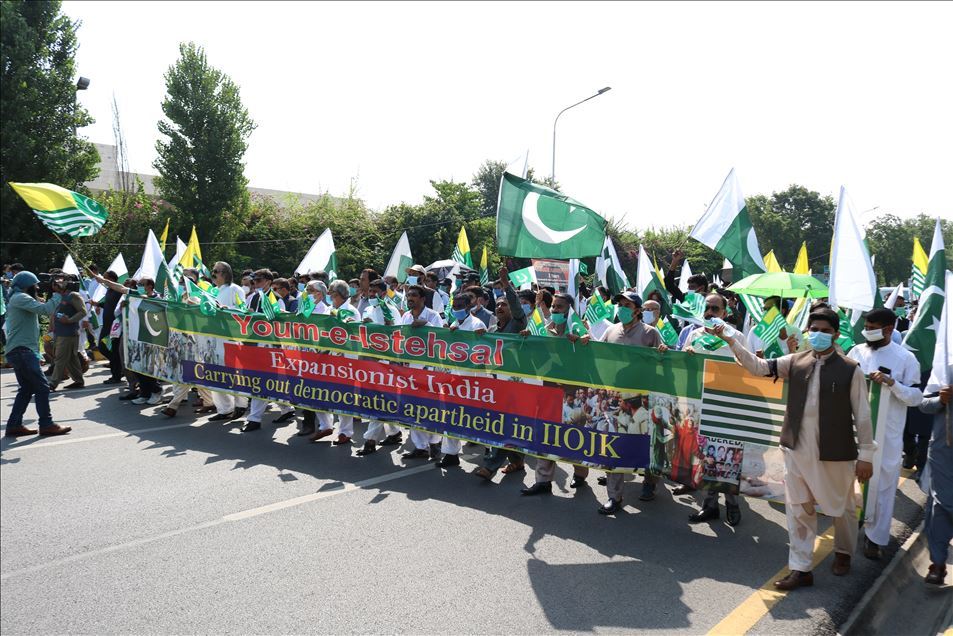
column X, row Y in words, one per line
column 513, row 468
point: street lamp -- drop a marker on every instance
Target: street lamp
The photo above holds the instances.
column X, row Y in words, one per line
column 82, row 83
column 600, row 92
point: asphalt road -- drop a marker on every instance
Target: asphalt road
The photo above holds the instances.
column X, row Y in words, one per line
column 137, row 523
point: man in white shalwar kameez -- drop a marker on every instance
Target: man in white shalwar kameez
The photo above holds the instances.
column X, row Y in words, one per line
column 898, row 371
column 827, row 406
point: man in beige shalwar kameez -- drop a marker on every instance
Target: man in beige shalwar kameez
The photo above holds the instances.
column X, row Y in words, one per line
column 827, row 403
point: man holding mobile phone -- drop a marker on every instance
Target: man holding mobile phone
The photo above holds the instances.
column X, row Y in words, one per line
column 898, row 372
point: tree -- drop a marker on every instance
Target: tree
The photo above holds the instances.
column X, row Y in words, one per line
column 38, row 141
column 787, row 218
column 891, row 243
column 200, row 162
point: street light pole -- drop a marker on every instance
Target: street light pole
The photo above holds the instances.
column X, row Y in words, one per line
column 552, row 175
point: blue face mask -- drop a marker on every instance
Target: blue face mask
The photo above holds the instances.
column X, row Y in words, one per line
column 411, row 280
column 141, row 290
column 624, row 314
column 819, row 340
column 353, row 290
column 527, row 308
column 460, row 314
column 558, row 319
column 373, row 302
column 300, row 287
column 497, row 293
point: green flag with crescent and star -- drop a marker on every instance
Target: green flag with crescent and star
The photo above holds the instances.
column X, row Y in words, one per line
column 153, row 325
column 534, row 221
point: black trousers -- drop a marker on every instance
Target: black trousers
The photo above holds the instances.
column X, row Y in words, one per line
column 113, row 355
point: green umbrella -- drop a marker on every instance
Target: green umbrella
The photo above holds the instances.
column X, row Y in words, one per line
column 783, row 284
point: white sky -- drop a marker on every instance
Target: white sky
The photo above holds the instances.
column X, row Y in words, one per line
column 397, row 94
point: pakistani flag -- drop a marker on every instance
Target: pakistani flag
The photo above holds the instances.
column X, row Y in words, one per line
column 669, row 335
column 533, row 221
column 207, row 302
column 921, row 339
column 574, row 324
column 152, row 258
column 684, row 276
column 485, row 268
column 461, row 251
column 167, row 284
column 942, row 373
column 180, row 248
column 321, row 256
column 62, row 211
column 609, row 268
column 122, row 272
column 521, row 277
column 726, row 228
column 852, row 282
column 647, row 280
column 400, row 260
column 920, row 265
column 148, row 322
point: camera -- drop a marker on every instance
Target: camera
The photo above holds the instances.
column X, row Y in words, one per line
column 70, row 282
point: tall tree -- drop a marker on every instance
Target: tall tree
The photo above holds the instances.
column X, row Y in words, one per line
column 206, row 131
column 38, row 139
column 785, row 219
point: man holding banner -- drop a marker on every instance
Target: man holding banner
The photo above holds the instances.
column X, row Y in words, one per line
column 827, row 407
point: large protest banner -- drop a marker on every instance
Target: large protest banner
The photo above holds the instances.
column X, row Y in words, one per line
column 608, row 406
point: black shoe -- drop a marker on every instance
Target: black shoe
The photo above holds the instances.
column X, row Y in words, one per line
column 705, row 514
column 221, row 417
column 539, row 488
column 602, row 480
column 732, row 514
column 370, row 446
column 306, row 430
column 909, row 462
column 112, row 380
column 247, row 427
column 648, row 494
column 610, row 507
column 240, row 411
column 132, row 395
column 872, row 550
column 578, row 482
column 417, row 453
column 683, row 490
column 434, row 452
column 393, row 440
column 449, row 460
column 284, row 417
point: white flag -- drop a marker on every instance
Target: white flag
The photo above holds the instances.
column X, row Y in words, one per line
column 400, row 259
column 894, row 295
column 683, row 279
column 180, row 248
column 852, row 282
column 69, row 266
column 151, row 258
column 321, row 256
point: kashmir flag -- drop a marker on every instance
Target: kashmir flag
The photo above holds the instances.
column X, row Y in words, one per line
column 321, row 256
column 400, row 260
column 921, row 338
column 598, row 309
column 802, row 266
column 165, row 235
column 536, row 324
column 669, row 335
column 920, row 265
column 771, row 262
column 192, row 256
column 152, row 258
column 270, row 305
column 852, row 282
column 769, row 330
column 461, row 251
column 647, row 280
column 609, row 268
column 726, row 228
column 485, row 268
column 63, row 211
column 166, row 283
column 534, row 221
column 521, row 277
column 208, row 305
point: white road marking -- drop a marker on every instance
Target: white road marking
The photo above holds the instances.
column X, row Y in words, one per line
column 92, row 438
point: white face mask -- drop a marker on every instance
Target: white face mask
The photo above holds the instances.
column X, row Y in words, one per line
column 648, row 317
column 246, row 289
column 873, row 335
